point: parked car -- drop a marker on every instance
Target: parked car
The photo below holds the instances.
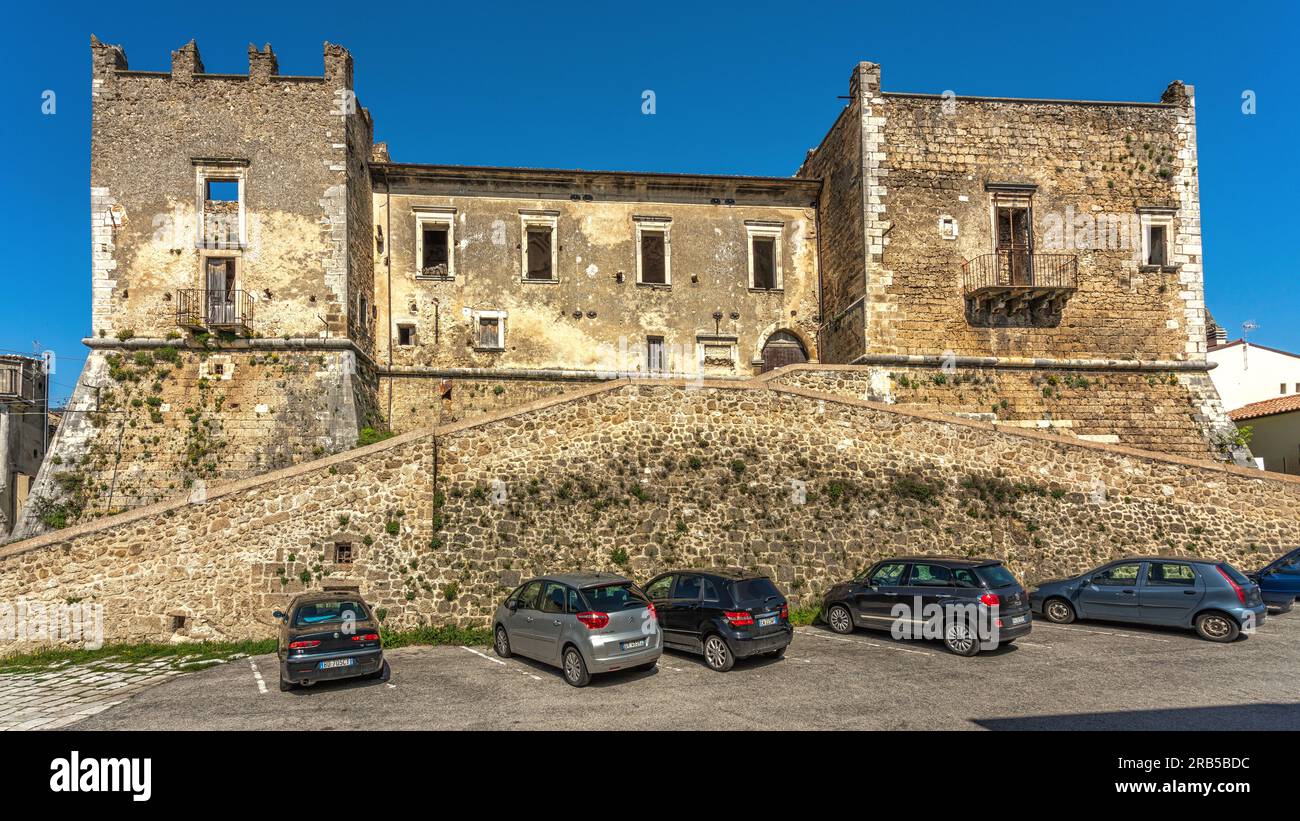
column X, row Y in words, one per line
column 724, row 614
column 1212, row 597
column 328, row 636
column 976, row 586
column 583, row 623
column 1279, row 580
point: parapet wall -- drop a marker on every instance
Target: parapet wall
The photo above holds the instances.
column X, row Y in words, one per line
column 636, row 478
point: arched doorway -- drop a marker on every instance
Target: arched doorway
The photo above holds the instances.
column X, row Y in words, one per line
column 783, row 348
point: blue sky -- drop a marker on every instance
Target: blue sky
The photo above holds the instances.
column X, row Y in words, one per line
column 740, row 88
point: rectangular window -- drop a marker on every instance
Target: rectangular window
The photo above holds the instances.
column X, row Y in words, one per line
column 221, row 213
column 435, row 242
column 488, row 333
column 653, row 257
column 655, row 361
column 405, row 335
column 1156, row 245
column 764, row 262
column 1282, row 389
column 540, row 249
column 436, row 250
column 343, row 552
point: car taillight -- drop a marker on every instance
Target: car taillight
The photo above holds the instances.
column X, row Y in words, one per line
column 654, row 614
column 1241, row 594
column 991, row 599
column 593, row 620
column 785, row 612
column 303, row 645
column 366, row 637
column 739, row 618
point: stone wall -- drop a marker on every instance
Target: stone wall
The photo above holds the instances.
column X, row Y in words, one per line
column 153, row 421
column 414, row 401
column 805, row 486
column 1173, row 411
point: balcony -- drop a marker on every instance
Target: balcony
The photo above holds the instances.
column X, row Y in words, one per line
column 20, row 378
column 1017, row 288
column 223, row 310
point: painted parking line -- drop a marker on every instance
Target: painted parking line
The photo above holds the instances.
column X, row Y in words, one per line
column 819, row 635
column 1073, row 629
column 257, row 674
column 502, row 663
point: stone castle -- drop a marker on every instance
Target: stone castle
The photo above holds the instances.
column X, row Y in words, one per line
column 990, row 306
column 267, row 283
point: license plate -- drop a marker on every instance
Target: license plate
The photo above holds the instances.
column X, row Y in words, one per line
column 767, row 622
column 332, row 663
column 1020, row 620
column 633, row 645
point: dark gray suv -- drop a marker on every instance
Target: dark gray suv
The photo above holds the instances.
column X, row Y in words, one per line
column 968, row 604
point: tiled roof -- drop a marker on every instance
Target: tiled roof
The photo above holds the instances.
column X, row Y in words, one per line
column 1268, row 407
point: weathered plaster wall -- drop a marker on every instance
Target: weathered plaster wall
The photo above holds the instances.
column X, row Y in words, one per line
column 305, row 151
column 640, row 478
column 588, row 320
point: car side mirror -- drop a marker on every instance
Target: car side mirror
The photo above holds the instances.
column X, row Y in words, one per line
column 279, row 615
column 512, row 605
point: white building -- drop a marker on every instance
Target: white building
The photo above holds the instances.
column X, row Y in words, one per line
column 1249, row 373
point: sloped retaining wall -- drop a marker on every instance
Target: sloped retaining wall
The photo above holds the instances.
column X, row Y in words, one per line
column 641, row 477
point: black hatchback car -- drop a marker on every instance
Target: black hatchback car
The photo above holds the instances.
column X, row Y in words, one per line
column 971, row 604
column 328, row 636
column 725, row 614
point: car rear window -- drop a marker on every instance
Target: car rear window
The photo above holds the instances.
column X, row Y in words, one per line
column 610, row 597
column 996, row 575
column 1233, row 573
column 329, row 612
column 753, row 590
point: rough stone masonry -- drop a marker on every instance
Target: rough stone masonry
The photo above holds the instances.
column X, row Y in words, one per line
column 965, row 324
column 636, row 477
column 267, row 282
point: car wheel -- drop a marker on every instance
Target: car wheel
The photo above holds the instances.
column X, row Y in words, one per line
column 960, row 638
column 840, row 619
column 1285, row 607
column 1058, row 611
column 1217, row 627
column 286, row 686
column 575, row 669
column 717, row 654
column 502, row 642
column 776, row 654
column 382, row 673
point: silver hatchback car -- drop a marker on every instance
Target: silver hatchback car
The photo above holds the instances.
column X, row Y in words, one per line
column 583, row 623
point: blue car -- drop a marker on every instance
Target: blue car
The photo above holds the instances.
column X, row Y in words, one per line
column 1211, row 597
column 1279, row 580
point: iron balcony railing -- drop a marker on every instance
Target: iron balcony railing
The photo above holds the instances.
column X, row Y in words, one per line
column 197, row 308
column 1020, row 269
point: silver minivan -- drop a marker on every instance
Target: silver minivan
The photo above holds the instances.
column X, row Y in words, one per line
column 583, row 623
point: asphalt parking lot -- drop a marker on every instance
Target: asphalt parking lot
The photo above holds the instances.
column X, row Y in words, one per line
column 1085, row 676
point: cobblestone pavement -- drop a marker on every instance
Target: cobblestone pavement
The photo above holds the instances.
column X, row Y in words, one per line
column 60, row 695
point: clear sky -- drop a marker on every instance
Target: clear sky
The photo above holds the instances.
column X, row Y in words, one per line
column 742, row 88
